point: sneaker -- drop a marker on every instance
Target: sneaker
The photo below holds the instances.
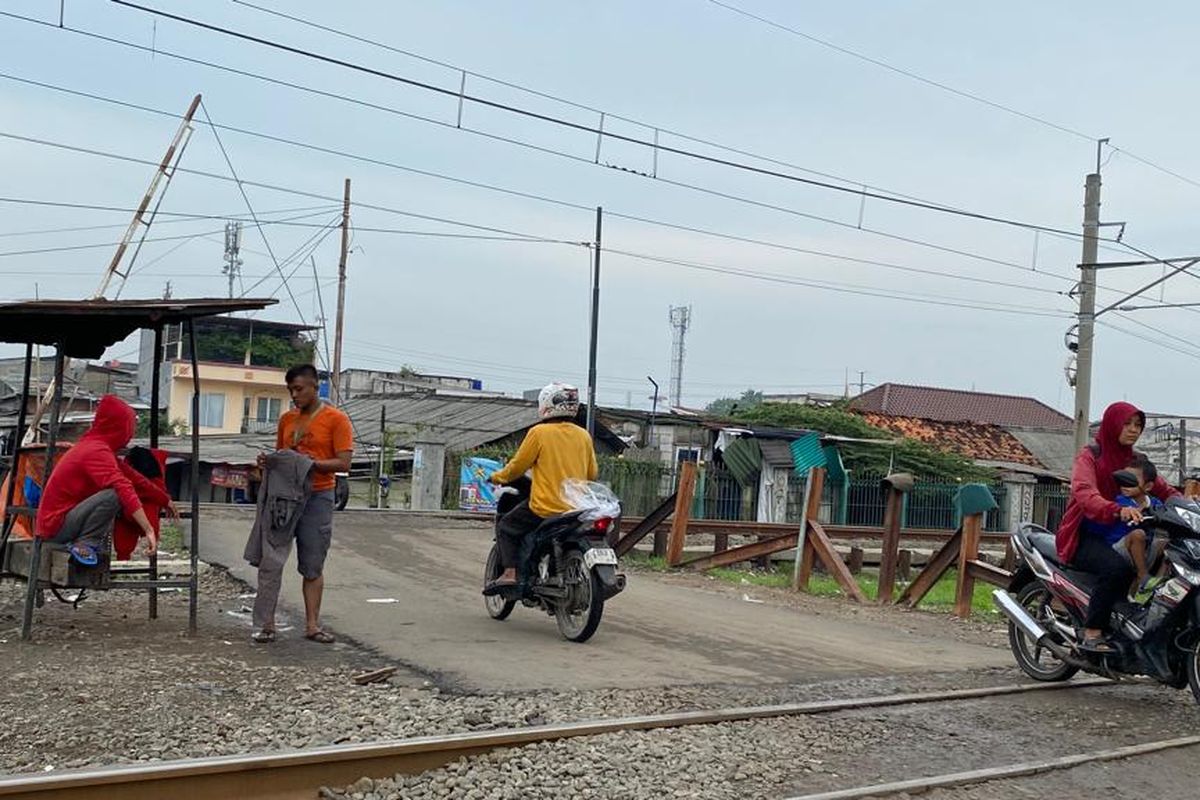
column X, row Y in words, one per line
column 1151, row 583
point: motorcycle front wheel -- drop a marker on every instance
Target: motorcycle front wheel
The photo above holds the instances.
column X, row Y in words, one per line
column 578, row 614
column 1035, row 661
column 498, row 608
column 1193, row 671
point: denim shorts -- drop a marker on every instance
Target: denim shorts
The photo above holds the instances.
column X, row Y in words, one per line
column 314, row 532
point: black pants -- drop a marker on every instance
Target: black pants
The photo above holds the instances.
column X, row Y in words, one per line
column 1114, row 573
column 512, row 529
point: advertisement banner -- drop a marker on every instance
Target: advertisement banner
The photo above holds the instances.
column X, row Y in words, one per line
column 230, row 477
column 474, row 492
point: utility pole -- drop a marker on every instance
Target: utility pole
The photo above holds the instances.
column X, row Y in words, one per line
column 862, row 381
column 1183, row 465
column 336, row 378
column 591, row 403
column 1087, row 308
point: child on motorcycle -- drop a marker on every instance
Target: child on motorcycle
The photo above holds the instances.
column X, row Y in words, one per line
column 1134, row 544
column 556, row 449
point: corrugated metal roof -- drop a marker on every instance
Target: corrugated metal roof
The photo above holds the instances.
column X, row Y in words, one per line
column 807, row 453
column 743, row 457
column 460, row 423
column 776, row 452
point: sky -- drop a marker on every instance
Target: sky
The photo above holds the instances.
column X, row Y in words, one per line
column 793, row 287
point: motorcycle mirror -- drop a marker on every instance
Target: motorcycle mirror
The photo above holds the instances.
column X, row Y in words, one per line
column 1126, row 479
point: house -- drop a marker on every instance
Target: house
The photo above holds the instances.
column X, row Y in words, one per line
column 1008, row 432
column 359, row 382
column 1161, row 443
column 822, row 399
column 242, row 363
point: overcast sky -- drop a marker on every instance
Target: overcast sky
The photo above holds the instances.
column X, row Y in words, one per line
column 515, row 313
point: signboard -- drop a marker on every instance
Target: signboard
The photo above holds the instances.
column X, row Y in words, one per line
column 230, row 477
column 475, row 493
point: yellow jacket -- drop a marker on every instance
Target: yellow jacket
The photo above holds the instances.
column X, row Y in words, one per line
column 555, row 451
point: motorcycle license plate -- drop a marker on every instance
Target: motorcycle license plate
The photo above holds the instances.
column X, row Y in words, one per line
column 599, row 555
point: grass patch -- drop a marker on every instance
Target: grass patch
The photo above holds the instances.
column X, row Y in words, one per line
column 939, row 598
column 645, row 561
column 170, row 538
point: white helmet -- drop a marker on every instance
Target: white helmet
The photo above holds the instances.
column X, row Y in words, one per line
column 558, row 400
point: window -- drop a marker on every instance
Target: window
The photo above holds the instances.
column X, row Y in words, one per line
column 269, row 409
column 683, row 454
column 212, row 410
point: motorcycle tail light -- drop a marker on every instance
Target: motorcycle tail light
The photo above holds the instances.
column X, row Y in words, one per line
column 602, row 525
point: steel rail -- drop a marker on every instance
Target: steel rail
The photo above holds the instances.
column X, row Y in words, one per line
column 299, row 774
column 956, row 779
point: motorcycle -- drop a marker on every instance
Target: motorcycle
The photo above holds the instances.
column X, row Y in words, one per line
column 570, row 569
column 1046, row 603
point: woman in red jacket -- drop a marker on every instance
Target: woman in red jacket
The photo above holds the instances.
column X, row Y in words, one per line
column 1093, row 499
column 87, row 489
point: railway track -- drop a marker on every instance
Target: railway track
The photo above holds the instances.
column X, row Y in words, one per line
column 298, row 775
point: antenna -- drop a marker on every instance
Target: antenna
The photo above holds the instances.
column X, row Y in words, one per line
column 233, row 245
column 681, row 319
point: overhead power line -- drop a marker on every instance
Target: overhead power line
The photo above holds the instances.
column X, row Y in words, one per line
column 589, row 129
column 158, row 52
column 580, row 206
column 962, row 93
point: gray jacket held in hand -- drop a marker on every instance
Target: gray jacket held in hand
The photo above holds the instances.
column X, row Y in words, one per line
column 286, row 485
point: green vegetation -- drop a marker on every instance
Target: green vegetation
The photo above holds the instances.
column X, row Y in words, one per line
column 170, row 538
column 908, row 455
column 940, row 597
column 176, row 427
column 730, row 406
column 266, row 350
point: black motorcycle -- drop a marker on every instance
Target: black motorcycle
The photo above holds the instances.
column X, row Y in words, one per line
column 1047, row 601
column 568, row 567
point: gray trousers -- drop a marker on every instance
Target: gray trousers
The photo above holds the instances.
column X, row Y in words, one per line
column 91, row 521
column 313, row 534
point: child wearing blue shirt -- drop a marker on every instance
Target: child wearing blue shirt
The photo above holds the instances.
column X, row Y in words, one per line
column 1133, row 544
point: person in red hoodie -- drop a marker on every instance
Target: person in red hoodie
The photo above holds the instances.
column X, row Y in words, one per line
column 88, row 490
column 1094, row 499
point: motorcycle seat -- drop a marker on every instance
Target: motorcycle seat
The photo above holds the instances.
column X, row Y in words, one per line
column 1045, row 544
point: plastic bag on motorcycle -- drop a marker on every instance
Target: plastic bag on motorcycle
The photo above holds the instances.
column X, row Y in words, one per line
column 595, row 500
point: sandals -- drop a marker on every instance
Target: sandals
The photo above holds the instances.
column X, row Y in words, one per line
column 263, row 636
column 321, row 637
column 498, row 586
column 1098, row 645
column 84, row 553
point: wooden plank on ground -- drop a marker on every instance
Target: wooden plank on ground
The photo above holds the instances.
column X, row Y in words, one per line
column 936, row 567
column 645, row 525
column 683, row 512
column 749, row 552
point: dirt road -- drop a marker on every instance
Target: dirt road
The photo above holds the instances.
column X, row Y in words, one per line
column 658, row 632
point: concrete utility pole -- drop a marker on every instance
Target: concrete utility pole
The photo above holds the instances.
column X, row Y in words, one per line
column 1087, row 308
column 595, row 336
column 335, row 389
column 1182, row 451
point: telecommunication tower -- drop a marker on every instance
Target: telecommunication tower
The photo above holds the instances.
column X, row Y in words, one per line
column 681, row 319
column 233, row 244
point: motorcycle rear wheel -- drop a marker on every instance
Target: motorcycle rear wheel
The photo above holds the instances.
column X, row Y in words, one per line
column 1037, row 662
column 1193, row 671
column 498, row 608
column 578, row 615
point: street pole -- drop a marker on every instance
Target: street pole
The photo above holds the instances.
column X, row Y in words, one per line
column 591, row 407
column 335, row 389
column 1087, row 309
column 653, row 412
column 1182, row 451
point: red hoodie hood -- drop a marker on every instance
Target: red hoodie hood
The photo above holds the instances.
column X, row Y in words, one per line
column 1114, row 455
column 114, row 424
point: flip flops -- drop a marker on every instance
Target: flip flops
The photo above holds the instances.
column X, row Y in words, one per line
column 321, row 637
column 498, row 586
column 263, row 637
column 84, row 553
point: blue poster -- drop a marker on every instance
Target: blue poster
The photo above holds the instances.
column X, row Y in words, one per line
column 475, row 493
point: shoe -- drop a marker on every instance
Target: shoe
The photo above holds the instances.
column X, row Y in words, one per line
column 84, row 553
column 498, row 586
column 1098, row 645
column 1151, row 583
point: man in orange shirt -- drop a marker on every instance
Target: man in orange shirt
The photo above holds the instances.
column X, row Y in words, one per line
column 323, row 433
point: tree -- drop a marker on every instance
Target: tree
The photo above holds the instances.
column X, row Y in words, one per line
column 907, row 455
column 730, row 406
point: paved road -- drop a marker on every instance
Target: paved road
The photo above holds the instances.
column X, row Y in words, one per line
column 655, row 633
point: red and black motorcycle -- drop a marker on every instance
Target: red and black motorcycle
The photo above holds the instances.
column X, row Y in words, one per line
column 1160, row 638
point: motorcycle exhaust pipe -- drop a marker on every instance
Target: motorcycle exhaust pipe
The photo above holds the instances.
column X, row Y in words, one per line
column 1019, row 616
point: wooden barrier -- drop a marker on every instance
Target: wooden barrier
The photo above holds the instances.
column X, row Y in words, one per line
column 890, row 556
column 942, row 560
column 683, row 513
column 644, row 526
column 968, row 552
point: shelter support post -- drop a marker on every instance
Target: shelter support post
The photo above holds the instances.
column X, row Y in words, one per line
column 155, row 389
column 33, row 587
column 194, row 580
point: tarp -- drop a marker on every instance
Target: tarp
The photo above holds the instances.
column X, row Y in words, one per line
column 30, row 475
column 743, row 458
column 973, row 498
column 475, row 493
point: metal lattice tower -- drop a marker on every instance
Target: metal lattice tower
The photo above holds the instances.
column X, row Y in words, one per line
column 233, row 245
column 681, row 318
